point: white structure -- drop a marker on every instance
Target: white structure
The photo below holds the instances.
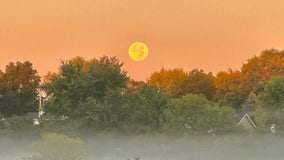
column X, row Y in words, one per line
column 42, row 98
column 273, row 128
column 246, row 122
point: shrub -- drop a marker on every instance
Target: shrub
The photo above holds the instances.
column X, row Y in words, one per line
column 54, row 146
column 19, row 123
column 60, row 125
column 195, row 114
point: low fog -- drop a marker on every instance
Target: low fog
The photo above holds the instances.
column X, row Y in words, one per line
column 164, row 148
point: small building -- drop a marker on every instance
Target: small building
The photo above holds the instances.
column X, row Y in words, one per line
column 34, row 116
column 245, row 120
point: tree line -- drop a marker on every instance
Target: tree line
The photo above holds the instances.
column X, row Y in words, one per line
column 96, row 95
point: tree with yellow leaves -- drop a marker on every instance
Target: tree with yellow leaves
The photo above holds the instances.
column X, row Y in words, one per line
column 168, row 81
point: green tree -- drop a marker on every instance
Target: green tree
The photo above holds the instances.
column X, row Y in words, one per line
column 199, row 82
column 193, row 113
column 79, row 80
column 108, row 116
column 18, row 89
column 145, row 110
column 266, row 117
column 271, row 104
column 273, row 95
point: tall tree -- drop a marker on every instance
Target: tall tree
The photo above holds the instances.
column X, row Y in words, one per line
column 18, row 89
column 168, row 81
column 80, row 80
column 199, row 82
column 257, row 72
column 228, row 91
column 145, row 109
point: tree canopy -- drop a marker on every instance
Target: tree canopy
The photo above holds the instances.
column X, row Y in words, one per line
column 194, row 113
column 168, row 81
column 258, row 71
column 228, row 91
column 199, row 82
column 18, row 89
column 273, row 95
column 79, row 80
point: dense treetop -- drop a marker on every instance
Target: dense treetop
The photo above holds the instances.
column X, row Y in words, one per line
column 18, row 88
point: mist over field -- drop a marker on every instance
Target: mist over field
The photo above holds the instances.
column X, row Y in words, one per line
column 164, row 148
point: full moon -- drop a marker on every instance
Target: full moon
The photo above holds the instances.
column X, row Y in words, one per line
column 138, row 51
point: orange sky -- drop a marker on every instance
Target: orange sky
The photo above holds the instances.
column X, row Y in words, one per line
column 205, row 34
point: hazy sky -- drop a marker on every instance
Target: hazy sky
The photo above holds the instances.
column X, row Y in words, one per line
column 208, row 34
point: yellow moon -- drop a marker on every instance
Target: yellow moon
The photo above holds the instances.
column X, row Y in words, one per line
column 138, row 51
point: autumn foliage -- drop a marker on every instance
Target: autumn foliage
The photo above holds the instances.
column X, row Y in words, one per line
column 98, row 96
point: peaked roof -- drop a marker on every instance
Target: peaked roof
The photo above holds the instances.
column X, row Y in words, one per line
column 244, row 115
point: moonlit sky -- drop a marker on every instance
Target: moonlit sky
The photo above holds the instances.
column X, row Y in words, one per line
column 206, row 34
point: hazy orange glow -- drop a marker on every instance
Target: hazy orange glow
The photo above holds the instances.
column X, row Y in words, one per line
column 206, row 34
